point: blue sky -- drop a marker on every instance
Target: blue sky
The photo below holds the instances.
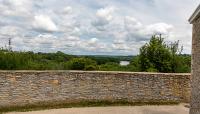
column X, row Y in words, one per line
column 97, row 27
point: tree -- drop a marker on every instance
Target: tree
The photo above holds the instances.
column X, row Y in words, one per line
column 158, row 56
column 82, row 64
column 176, row 58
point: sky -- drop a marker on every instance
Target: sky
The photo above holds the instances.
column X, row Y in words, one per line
column 94, row 27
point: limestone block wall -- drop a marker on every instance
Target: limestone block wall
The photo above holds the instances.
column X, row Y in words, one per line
column 28, row 87
column 195, row 101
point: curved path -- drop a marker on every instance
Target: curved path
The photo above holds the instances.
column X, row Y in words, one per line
column 178, row 109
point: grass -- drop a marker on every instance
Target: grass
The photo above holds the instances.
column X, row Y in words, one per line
column 57, row 105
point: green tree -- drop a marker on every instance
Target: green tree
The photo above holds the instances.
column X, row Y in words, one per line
column 177, row 59
column 155, row 56
column 82, row 64
column 158, row 56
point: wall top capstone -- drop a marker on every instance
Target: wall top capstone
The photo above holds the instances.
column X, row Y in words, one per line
column 195, row 15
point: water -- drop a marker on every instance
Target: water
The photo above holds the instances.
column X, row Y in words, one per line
column 124, row 63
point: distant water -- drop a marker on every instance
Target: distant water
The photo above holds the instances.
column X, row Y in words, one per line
column 124, row 63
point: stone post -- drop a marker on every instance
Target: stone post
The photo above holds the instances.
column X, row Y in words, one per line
column 195, row 99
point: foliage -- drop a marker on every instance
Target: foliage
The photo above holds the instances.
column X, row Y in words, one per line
column 158, row 56
column 155, row 56
column 82, row 64
column 103, row 59
column 32, row 61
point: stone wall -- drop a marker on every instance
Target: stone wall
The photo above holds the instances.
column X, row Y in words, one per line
column 27, row 87
column 195, row 101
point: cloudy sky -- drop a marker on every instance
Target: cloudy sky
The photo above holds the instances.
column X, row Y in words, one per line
column 97, row 27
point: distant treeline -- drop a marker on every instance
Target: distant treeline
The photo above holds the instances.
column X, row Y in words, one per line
column 155, row 56
column 14, row 60
column 103, row 59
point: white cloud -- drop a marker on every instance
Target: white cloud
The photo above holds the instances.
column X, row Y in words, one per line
column 21, row 8
column 105, row 13
column 93, row 42
column 139, row 32
column 93, row 45
column 132, row 23
column 103, row 16
column 121, row 46
column 93, row 27
column 44, row 23
column 10, row 31
column 158, row 28
column 67, row 10
column 44, row 39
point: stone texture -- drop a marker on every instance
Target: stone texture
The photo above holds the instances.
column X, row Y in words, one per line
column 28, row 87
column 195, row 99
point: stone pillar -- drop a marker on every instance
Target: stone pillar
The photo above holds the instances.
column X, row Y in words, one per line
column 195, row 99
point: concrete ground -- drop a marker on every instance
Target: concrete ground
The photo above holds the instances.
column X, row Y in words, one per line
column 178, row 109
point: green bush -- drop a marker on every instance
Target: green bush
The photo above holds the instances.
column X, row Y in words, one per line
column 82, row 64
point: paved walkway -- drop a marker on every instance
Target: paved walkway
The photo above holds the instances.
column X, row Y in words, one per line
column 180, row 109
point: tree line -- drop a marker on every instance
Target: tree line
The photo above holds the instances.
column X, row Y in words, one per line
column 154, row 56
